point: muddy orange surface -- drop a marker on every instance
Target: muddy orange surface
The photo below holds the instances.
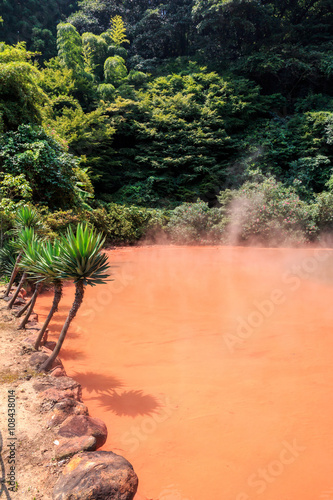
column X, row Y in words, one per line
column 212, row 368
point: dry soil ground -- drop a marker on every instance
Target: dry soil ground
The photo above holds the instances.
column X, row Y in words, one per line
column 27, row 445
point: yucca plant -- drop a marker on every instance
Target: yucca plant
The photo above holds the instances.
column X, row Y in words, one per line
column 31, row 255
column 26, row 217
column 7, row 259
column 80, row 261
column 24, row 238
column 46, row 268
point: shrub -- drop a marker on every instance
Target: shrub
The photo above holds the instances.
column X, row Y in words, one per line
column 196, row 223
column 120, row 224
column 270, row 213
column 324, row 211
column 47, row 167
column 60, row 220
column 128, row 224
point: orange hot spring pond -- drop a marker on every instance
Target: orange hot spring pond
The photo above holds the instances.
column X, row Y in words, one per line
column 212, row 368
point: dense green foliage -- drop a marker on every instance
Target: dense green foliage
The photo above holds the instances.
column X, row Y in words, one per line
column 20, row 97
column 45, row 165
column 34, row 22
column 120, row 224
column 151, row 105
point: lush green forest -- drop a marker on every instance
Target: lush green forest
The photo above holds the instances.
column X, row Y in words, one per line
column 188, row 116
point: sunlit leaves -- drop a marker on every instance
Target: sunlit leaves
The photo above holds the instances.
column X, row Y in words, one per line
column 69, row 44
column 115, row 70
column 118, row 31
column 20, row 95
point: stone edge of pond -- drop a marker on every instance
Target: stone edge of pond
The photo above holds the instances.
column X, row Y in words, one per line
column 87, row 473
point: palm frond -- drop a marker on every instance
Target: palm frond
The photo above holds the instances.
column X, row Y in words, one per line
column 81, row 257
column 41, row 259
column 30, row 257
column 7, row 259
column 26, row 217
column 23, row 238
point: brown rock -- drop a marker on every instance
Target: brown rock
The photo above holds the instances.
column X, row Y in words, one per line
column 58, row 372
column 55, row 395
column 69, row 406
column 62, row 383
column 46, row 350
column 56, row 389
column 37, row 359
column 19, row 301
column 33, row 325
column 64, row 409
column 30, row 341
column 50, row 345
column 96, row 476
column 69, row 447
column 82, row 425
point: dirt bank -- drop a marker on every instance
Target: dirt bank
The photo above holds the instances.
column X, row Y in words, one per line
column 27, row 448
column 212, row 368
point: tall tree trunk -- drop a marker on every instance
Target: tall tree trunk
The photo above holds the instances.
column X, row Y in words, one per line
column 17, row 291
column 56, row 299
column 23, row 309
column 31, row 307
column 13, row 276
column 79, row 293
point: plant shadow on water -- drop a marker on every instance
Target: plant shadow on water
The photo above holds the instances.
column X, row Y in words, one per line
column 67, row 354
column 97, row 382
column 130, row 403
column 127, row 403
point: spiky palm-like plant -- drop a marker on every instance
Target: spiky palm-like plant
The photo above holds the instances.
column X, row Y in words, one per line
column 7, row 259
column 46, row 268
column 80, row 261
column 31, row 254
column 24, row 238
column 26, row 217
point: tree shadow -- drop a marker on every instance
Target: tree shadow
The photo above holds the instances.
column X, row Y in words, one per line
column 129, row 403
column 67, row 354
column 97, row 382
column 57, row 323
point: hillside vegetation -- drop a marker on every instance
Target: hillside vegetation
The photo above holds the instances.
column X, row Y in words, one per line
column 133, row 115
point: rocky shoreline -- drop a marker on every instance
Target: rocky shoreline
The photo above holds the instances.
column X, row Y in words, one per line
column 71, row 437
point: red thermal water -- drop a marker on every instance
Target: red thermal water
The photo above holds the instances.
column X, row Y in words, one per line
column 212, row 368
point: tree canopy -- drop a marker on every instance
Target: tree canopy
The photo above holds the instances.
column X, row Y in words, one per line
column 164, row 102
